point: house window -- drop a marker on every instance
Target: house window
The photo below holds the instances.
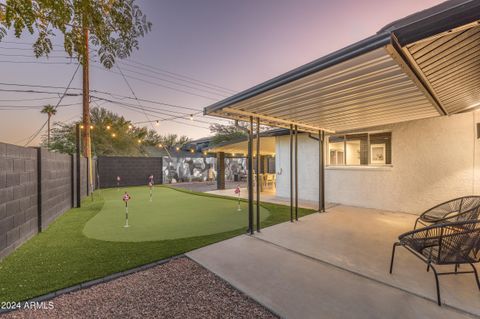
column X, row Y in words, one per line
column 360, row 149
column 336, row 149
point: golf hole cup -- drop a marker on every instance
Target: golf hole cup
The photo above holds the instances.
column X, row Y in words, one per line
column 125, row 199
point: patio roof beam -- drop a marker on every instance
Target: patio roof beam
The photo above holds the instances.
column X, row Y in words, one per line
column 272, row 119
column 410, row 68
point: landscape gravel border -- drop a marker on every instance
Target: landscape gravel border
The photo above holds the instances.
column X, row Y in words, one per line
column 91, row 283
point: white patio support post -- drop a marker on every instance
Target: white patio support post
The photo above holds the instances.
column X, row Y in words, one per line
column 250, row 177
column 258, row 174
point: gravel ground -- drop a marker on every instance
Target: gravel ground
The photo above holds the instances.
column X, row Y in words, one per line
column 180, row 288
column 206, row 186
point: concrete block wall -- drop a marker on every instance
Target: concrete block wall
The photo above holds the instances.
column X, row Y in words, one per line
column 56, row 185
column 133, row 171
column 35, row 189
column 18, row 196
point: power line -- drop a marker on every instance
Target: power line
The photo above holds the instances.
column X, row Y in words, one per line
column 55, row 107
column 180, row 75
column 158, row 84
column 133, row 92
column 172, row 82
column 199, row 83
column 146, row 66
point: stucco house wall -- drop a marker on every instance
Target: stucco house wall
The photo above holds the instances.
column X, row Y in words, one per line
column 433, row 160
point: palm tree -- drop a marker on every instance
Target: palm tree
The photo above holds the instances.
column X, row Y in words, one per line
column 50, row 110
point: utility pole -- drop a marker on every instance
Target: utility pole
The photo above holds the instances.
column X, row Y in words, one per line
column 87, row 147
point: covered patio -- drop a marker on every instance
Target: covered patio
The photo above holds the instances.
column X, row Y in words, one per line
column 335, row 265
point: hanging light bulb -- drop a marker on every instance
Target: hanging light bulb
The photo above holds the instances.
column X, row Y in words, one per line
column 139, row 141
column 177, row 148
column 91, row 127
column 157, row 123
column 113, row 134
column 191, row 117
column 130, row 126
column 81, row 126
column 108, row 127
column 160, row 145
column 192, row 151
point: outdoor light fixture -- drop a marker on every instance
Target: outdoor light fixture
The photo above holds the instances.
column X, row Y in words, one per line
column 130, row 127
column 108, row 127
column 113, row 134
column 91, row 127
column 81, row 126
column 139, row 141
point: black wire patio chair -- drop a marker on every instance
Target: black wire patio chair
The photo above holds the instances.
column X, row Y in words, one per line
column 458, row 209
column 453, row 243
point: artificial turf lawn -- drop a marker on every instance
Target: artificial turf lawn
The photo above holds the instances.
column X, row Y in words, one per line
column 63, row 256
column 170, row 215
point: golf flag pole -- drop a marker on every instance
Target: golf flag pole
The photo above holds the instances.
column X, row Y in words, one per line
column 126, row 198
column 150, row 185
column 237, row 191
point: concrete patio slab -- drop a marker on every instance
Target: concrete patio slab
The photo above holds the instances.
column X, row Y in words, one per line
column 360, row 240
column 295, row 286
column 335, row 265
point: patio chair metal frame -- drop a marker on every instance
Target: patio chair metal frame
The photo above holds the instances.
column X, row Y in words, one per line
column 452, row 243
column 457, row 209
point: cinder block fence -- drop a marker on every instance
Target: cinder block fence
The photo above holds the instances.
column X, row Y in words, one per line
column 36, row 186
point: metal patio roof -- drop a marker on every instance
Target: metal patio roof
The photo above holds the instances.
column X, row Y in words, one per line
column 424, row 65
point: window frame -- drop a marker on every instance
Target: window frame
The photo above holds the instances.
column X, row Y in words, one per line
column 369, row 154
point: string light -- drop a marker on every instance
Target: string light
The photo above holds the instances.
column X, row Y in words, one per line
column 160, row 145
column 113, row 134
column 91, row 127
column 108, row 127
column 130, row 127
column 205, row 153
column 81, row 126
column 139, row 141
column 177, row 148
column 192, row 151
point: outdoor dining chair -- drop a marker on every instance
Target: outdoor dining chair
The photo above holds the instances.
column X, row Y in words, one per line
column 458, row 209
column 453, row 243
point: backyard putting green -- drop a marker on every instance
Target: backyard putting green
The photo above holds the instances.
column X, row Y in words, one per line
column 172, row 214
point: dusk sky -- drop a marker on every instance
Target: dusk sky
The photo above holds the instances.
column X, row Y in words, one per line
column 226, row 43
